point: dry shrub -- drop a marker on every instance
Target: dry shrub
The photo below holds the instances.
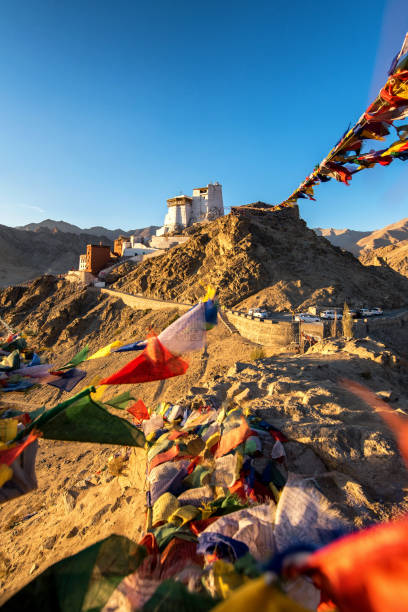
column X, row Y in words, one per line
column 257, row 353
column 347, row 322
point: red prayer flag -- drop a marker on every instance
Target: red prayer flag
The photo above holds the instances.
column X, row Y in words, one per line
column 11, row 454
column 163, row 457
column 154, row 363
column 139, row 411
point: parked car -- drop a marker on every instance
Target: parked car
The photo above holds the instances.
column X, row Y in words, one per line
column 377, row 312
column 370, row 312
column 331, row 314
column 261, row 314
column 258, row 313
column 305, row 317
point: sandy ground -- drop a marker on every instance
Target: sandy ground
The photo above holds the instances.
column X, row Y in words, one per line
column 333, row 438
column 78, row 501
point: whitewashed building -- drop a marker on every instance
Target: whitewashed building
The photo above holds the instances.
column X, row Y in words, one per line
column 206, row 204
column 134, row 248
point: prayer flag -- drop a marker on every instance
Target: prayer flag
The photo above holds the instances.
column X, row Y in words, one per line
column 134, row 346
column 77, row 359
column 120, row 401
column 9, row 455
column 87, row 421
column 187, row 333
column 106, row 350
column 365, row 571
column 68, row 380
column 155, row 363
column 139, row 411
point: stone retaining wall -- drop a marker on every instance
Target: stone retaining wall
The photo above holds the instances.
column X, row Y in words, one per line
column 141, row 302
column 276, row 334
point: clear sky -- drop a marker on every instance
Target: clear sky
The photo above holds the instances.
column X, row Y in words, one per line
column 108, row 108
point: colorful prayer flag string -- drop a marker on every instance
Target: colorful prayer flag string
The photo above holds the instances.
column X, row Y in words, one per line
column 345, row 158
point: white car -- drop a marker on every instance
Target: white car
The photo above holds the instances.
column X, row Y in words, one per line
column 331, row 314
column 377, row 312
column 305, row 317
column 261, row 314
column 258, row 313
column 367, row 312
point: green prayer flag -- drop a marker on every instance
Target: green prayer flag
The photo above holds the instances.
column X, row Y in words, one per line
column 120, row 401
column 81, row 419
column 77, row 359
column 172, row 595
column 83, row 582
column 88, row 421
column 45, row 415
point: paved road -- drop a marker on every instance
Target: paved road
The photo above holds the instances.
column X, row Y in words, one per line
column 388, row 314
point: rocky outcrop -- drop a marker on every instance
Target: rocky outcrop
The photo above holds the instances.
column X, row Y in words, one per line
column 394, row 255
column 256, row 257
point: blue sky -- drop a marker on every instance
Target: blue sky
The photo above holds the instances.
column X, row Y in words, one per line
column 110, row 107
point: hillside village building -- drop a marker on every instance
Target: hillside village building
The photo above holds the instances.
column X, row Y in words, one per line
column 206, row 204
column 97, row 257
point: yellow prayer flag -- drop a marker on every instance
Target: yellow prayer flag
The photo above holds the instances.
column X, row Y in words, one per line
column 258, row 595
column 210, row 294
column 396, row 146
column 6, row 474
column 8, row 429
column 164, row 507
column 98, row 394
column 106, row 350
column 183, row 515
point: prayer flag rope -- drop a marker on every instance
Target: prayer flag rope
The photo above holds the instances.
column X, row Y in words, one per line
column 346, row 157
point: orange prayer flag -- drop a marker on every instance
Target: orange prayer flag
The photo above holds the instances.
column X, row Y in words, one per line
column 365, row 571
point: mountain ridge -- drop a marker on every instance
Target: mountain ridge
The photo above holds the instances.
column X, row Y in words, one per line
column 96, row 230
column 358, row 241
column 27, row 254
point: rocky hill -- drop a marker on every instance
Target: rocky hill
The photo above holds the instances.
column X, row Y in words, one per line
column 26, row 254
column 63, row 226
column 394, row 255
column 254, row 256
column 358, row 242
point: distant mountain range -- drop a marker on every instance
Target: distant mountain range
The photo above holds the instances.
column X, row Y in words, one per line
column 54, row 246
column 357, row 242
column 63, row 226
column 50, row 247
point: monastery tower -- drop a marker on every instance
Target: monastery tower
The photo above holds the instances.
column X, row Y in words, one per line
column 205, row 204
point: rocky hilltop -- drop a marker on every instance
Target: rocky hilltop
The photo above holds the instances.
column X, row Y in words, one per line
column 26, row 254
column 255, row 256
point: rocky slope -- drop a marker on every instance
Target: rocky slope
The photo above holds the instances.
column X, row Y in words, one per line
column 63, row 226
column 25, row 254
column 358, row 242
column 394, row 255
column 256, row 257
column 333, row 437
